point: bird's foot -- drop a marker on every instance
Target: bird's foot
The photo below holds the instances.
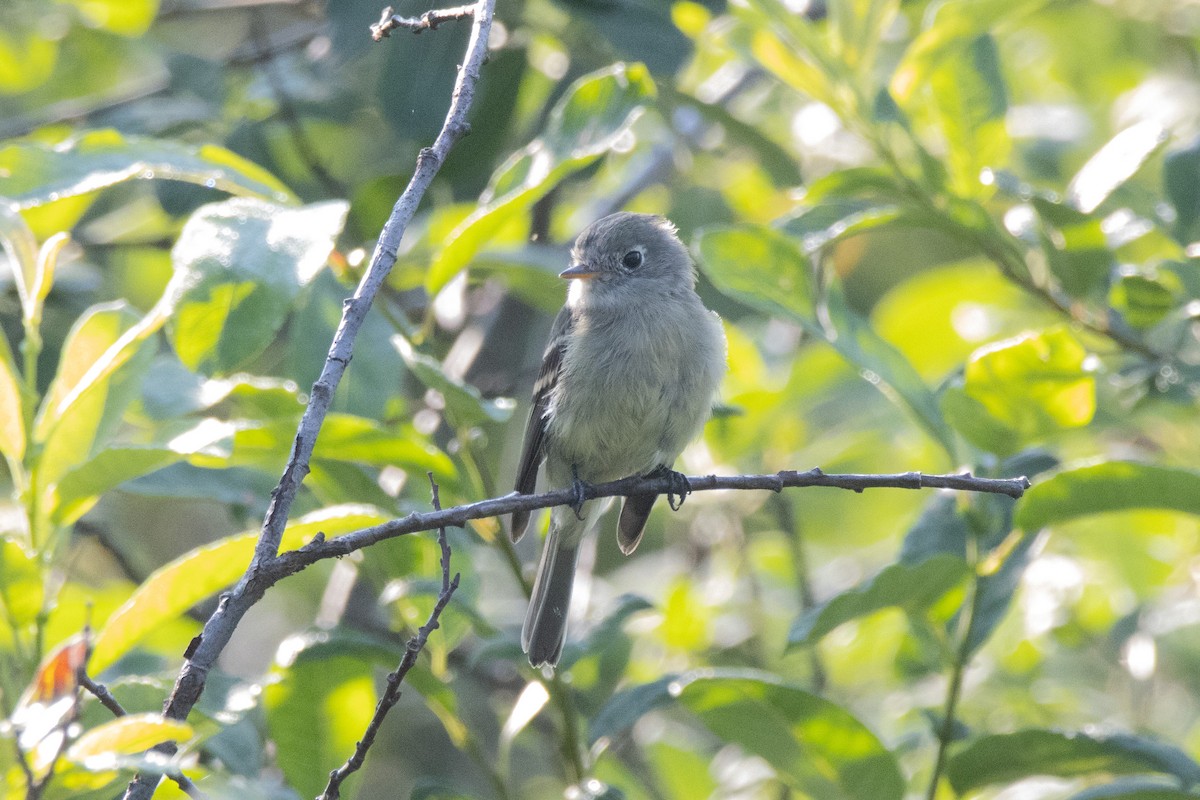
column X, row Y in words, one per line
column 679, row 489
column 579, row 488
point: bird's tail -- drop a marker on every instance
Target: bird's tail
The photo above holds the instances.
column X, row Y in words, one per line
column 546, row 621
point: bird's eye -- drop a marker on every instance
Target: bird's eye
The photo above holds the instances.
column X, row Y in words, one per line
column 632, row 259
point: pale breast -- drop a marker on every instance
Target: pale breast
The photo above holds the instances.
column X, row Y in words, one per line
column 635, row 391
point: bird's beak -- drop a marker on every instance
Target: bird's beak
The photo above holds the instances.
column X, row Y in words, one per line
column 581, row 271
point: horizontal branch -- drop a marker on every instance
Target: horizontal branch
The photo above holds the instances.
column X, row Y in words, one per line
column 321, row 548
column 428, row 21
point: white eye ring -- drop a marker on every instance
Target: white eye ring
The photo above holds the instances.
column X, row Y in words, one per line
column 632, row 259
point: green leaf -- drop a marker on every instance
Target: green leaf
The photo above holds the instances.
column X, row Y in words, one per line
column 318, row 707
column 817, row 747
column 970, row 418
column 857, row 27
column 969, row 93
column 1005, row 758
column 239, row 266
column 1076, row 247
column 1114, row 164
column 1135, row 789
column 1143, row 300
column 910, row 586
column 769, row 271
column 82, row 486
column 1181, row 183
column 12, row 409
column 35, row 173
column 1035, row 384
column 597, row 110
column 20, row 249
column 463, row 401
column 762, row 268
column 1109, row 486
column 126, row 735
column 200, row 573
column 99, row 371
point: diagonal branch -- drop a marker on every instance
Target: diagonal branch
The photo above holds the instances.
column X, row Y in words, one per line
column 203, row 652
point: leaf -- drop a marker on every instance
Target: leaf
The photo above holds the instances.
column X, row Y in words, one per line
column 239, row 266
column 1114, row 164
column 1142, row 300
column 127, row 735
column 970, row 418
column 857, row 27
column 597, row 110
column 106, row 352
column 82, row 486
column 817, row 747
column 36, row 173
column 969, row 93
column 1076, row 246
column 1135, row 789
column 12, row 410
column 1005, row 758
column 1108, row 486
column 910, row 586
column 768, row 271
column 1035, row 384
column 463, row 401
column 20, row 249
column 320, row 703
column 174, row 588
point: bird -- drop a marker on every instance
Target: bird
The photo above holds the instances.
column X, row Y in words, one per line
column 627, row 380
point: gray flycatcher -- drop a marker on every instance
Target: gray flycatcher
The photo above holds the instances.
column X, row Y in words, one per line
column 627, row 380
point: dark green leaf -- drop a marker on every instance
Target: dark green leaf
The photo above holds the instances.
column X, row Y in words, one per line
column 1005, row 758
column 1135, row 789
column 1110, row 486
column 970, row 418
column 1076, row 247
column 1144, row 301
column 816, row 746
column 910, row 586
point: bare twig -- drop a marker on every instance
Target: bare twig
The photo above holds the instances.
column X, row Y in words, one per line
column 205, row 648
column 428, row 21
column 321, row 548
column 391, row 694
column 101, row 693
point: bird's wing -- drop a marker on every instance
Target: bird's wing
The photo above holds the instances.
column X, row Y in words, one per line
column 535, row 429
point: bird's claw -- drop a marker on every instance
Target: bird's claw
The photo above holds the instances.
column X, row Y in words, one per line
column 679, row 487
column 579, row 488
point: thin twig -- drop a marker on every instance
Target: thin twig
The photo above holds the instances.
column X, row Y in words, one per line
column 428, row 21
column 966, row 620
column 205, row 648
column 101, row 693
column 391, row 694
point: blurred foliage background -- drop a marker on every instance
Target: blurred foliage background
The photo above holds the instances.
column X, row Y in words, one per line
column 942, row 235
